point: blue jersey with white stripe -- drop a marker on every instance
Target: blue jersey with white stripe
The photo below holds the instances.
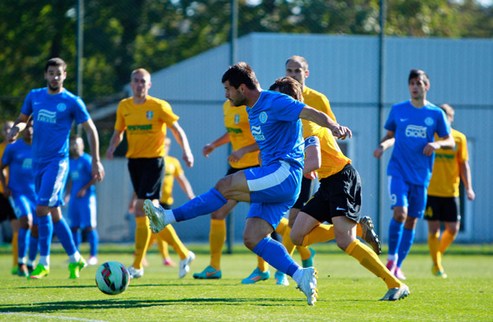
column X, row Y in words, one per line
column 414, row 128
column 18, row 157
column 53, row 116
column 80, row 173
column 276, row 127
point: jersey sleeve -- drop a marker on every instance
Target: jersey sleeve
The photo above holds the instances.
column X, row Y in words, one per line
column 81, row 113
column 443, row 127
column 120, row 121
column 390, row 123
column 27, row 107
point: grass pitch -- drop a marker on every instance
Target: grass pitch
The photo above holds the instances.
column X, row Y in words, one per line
column 347, row 291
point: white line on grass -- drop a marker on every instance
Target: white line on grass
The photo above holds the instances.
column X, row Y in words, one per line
column 50, row 317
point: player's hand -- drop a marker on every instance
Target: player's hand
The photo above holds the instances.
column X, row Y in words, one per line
column 188, row 158
column 235, row 156
column 378, row 152
column 312, row 175
column 98, row 171
column 13, row 134
column 430, row 147
column 207, row 149
column 342, row 132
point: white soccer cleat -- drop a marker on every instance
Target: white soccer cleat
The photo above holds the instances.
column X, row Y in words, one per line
column 185, row 264
column 134, row 272
column 157, row 218
column 308, row 284
column 396, row 293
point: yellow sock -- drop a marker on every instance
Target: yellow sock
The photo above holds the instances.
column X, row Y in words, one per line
column 15, row 248
column 286, row 240
column 261, row 264
column 446, row 240
column 319, row 234
column 369, row 260
column 433, row 243
column 142, row 236
column 168, row 234
column 217, row 237
column 162, row 246
column 281, row 228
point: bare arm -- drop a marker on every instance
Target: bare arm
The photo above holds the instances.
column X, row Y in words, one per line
column 446, row 142
column 93, row 138
column 185, row 186
column 115, row 140
column 18, row 127
column 3, row 180
column 235, row 156
column 182, row 140
column 387, row 141
column 313, row 161
column 465, row 175
column 209, row 147
column 322, row 119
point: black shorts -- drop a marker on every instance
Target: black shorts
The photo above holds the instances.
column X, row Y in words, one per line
column 6, row 211
column 306, row 187
column 443, row 209
column 338, row 195
column 232, row 170
column 146, row 175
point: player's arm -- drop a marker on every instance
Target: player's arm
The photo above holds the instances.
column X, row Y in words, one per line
column 82, row 192
column 235, row 156
column 185, row 186
column 387, row 141
column 209, row 147
column 465, row 175
column 446, row 142
column 19, row 126
column 182, row 140
column 313, row 157
column 93, row 139
column 322, row 119
column 115, row 140
column 3, row 181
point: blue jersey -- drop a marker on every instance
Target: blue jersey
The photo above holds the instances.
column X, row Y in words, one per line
column 414, row 128
column 18, row 157
column 53, row 116
column 80, row 173
column 276, row 127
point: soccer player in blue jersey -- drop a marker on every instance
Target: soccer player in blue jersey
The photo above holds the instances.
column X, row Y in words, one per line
column 411, row 127
column 18, row 157
column 271, row 188
column 53, row 109
column 81, row 198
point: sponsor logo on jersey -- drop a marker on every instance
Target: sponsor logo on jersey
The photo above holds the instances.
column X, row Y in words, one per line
column 416, row 131
column 46, row 116
column 257, row 133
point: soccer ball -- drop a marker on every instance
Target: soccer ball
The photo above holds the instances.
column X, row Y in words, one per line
column 112, row 278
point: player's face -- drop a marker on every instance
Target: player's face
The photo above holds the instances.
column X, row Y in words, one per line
column 295, row 69
column 55, row 75
column 418, row 88
column 76, row 147
column 140, row 84
column 28, row 132
column 234, row 94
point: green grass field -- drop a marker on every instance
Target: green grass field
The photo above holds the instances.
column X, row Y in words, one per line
column 347, row 291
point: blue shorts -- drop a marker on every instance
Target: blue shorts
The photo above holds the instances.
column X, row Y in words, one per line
column 411, row 196
column 82, row 212
column 23, row 206
column 49, row 180
column 273, row 191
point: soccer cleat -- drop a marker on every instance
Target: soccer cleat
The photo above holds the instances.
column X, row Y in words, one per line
column 30, row 269
column 39, row 272
column 157, row 219
column 369, row 235
column 168, row 262
column 281, row 278
column 75, row 268
column 308, row 284
column 438, row 273
column 134, row 272
column 256, row 276
column 396, row 293
column 93, row 260
column 185, row 264
column 22, row 270
column 308, row 262
column 399, row 274
column 208, row 273
column 391, row 266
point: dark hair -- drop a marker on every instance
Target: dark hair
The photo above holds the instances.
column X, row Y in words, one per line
column 289, row 86
column 415, row 73
column 241, row 73
column 57, row 62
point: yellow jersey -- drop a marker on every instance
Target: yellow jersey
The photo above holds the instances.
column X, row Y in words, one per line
column 333, row 160
column 445, row 177
column 317, row 100
column 145, row 125
column 172, row 170
column 238, row 128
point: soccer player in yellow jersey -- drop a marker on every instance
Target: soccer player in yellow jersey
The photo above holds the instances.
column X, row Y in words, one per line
column 451, row 166
column 337, row 201
column 145, row 119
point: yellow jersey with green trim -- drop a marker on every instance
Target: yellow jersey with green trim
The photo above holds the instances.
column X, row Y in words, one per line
column 445, row 177
column 172, row 170
column 145, row 125
column 333, row 160
column 317, row 100
column 238, row 128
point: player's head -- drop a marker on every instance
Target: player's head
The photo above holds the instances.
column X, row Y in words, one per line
column 55, row 74
column 27, row 134
column 76, row 146
column 297, row 67
column 289, row 86
column 449, row 111
column 236, row 80
column 140, row 82
column 419, row 84
column 7, row 125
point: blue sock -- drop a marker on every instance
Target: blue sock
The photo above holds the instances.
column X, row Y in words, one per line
column 201, row 205
column 22, row 240
column 45, row 229
column 406, row 243
column 65, row 236
column 93, row 239
column 76, row 236
column 395, row 235
column 33, row 248
column 274, row 253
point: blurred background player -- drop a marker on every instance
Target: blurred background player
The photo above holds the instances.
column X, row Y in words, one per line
column 81, row 197
column 145, row 120
column 443, row 204
column 21, row 191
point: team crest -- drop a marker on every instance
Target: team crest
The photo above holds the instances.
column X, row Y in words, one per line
column 429, row 121
column 61, row 107
column 149, row 115
column 262, row 117
column 237, row 119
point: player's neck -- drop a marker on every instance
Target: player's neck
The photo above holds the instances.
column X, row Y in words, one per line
column 139, row 100
column 52, row 91
column 418, row 102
